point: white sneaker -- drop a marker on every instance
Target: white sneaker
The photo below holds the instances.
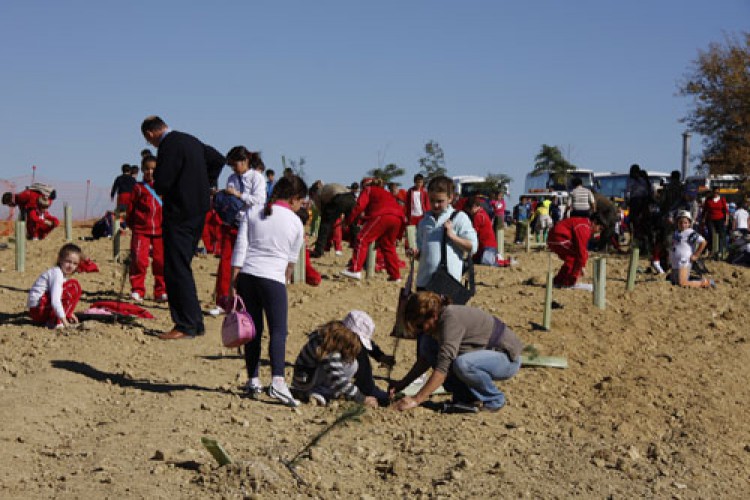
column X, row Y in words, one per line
column 136, row 297
column 339, row 252
column 161, row 298
column 281, row 392
column 253, row 390
column 317, row 399
column 216, row 311
column 657, row 267
column 352, row 274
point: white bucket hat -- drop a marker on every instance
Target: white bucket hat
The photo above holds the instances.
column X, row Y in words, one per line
column 685, row 214
column 362, row 324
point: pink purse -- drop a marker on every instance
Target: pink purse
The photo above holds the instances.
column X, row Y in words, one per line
column 238, row 327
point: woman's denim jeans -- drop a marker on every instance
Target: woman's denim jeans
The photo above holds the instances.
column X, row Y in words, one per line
column 472, row 374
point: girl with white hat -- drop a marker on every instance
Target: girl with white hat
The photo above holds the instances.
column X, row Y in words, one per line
column 687, row 247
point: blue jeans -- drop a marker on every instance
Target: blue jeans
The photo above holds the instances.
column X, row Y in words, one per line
column 479, row 369
column 472, row 375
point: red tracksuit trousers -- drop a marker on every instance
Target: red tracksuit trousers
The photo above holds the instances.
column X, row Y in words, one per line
column 336, row 237
column 571, row 268
column 140, row 246
column 224, row 273
column 44, row 314
column 39, row 230
column 384, row 229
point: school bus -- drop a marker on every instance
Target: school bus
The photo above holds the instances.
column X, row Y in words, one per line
column 725, row 185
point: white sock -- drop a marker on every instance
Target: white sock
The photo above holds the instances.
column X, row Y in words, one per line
column 278, row 382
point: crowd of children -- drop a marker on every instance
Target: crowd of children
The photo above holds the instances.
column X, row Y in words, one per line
column 467, row 349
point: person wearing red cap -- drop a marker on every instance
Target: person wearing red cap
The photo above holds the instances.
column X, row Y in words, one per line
column 384, row 219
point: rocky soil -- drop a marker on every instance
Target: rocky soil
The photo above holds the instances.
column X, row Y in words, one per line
column 653, row 402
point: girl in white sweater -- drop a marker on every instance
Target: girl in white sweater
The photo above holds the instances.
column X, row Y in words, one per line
column 54, row 295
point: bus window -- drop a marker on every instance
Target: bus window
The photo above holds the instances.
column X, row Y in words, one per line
column 612, row 185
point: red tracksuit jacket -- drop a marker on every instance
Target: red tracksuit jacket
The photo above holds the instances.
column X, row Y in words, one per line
column 144, row 212
column 485, row 233
column 374, row 201
column 573, row 234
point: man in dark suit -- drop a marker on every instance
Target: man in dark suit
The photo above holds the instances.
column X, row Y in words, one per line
column 185, row 171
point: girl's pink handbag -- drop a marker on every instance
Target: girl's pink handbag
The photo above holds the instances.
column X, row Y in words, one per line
column 238, row 327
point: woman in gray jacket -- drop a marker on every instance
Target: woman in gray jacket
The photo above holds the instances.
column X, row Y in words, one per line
column 467, row 349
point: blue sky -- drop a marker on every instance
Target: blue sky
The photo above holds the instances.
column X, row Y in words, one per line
column 350, row 84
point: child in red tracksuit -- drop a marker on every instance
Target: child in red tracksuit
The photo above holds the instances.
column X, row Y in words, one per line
column 54, row 295
column 417, row 201
column 39, row 222
column 144, row 220
column 384, row 219
column 28, row 199
column 487, row 241
column 337, row 237
column 212, row 232
column 569, row 239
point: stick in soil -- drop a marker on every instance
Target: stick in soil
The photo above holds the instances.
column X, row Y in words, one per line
column 348, row 414
column 125, row 273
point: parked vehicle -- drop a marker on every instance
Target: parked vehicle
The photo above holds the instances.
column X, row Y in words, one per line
column 613, row 185
column 543, row 182
column 468, row 185
column 729, row 186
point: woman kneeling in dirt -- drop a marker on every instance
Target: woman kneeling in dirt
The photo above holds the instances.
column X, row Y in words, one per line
column 468, row 350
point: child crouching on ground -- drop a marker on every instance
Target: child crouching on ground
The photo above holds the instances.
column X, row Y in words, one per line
column 687, row 247
column 326, row 365
column 54, row 295
column 362, row 324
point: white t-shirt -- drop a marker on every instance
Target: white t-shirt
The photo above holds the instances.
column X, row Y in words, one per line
column 740, row 218
column 50, row 280
column 684, row 244
column 416, row 204
column 266, row 245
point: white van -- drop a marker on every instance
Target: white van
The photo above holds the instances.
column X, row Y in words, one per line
column 467, row 185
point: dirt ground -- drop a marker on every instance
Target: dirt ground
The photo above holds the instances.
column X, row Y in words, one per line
column 653, row 402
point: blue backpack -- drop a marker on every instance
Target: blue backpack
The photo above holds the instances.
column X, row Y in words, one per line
column 228, row 207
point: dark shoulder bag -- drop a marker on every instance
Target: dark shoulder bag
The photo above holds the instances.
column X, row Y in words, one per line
column 229, row 206
column 443, row 283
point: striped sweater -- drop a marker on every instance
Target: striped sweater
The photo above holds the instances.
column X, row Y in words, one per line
column 310, row 372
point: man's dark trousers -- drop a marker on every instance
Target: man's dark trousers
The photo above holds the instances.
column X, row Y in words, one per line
column 180, row 241
column 341, row 204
